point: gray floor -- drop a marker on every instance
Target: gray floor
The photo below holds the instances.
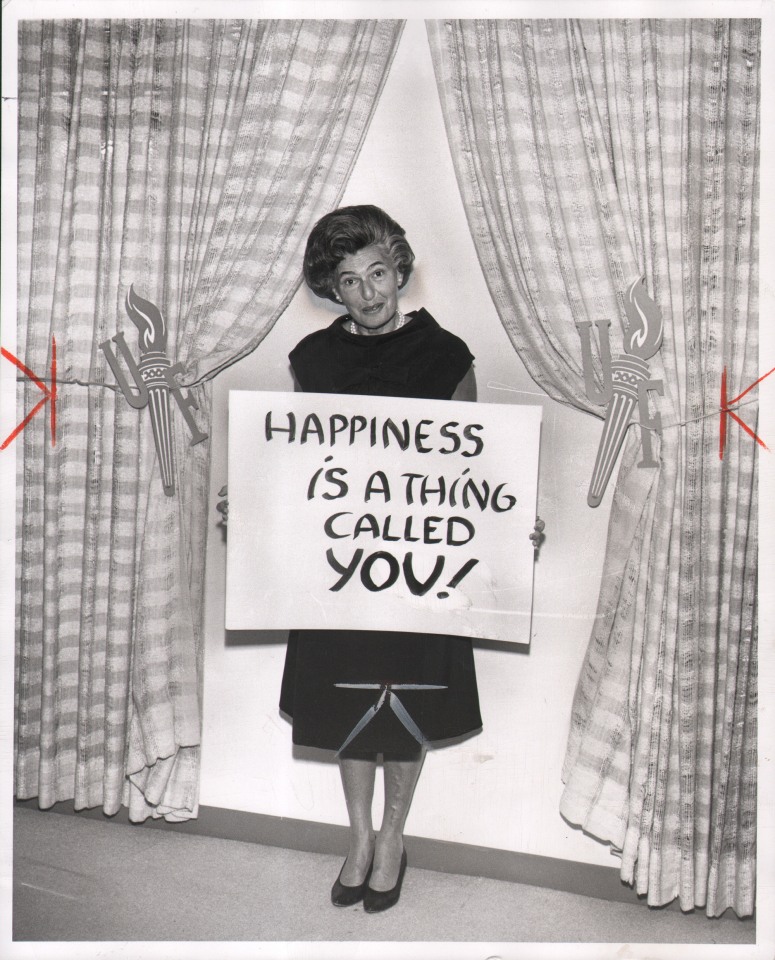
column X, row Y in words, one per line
column 82, row 879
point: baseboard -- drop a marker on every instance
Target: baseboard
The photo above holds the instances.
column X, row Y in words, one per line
column 570, row 876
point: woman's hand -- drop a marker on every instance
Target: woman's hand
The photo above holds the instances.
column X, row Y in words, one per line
column 537, row 536
column 223, row 505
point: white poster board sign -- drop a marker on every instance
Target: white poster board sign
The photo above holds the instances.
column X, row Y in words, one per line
column 355, row 512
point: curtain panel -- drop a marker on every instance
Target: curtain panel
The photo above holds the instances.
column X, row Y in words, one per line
column 588, row 154
column 189, row 159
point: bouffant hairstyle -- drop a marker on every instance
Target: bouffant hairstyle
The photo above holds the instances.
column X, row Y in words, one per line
column 348, row 230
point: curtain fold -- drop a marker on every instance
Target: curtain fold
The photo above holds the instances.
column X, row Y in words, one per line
column 190, row 159
column 589, row 153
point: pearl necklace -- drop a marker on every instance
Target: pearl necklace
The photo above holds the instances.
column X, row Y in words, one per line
column 352, row 326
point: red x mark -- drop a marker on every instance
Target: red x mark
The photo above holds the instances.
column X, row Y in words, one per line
column 725, row 412
column 49, row 393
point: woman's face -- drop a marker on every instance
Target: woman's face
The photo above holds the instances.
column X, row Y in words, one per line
column 367, row 283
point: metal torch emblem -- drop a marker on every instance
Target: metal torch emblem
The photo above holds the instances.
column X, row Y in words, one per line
column 626, row 382
column 154, row 379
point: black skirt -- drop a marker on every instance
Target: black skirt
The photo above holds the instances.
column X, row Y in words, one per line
column 368, row 692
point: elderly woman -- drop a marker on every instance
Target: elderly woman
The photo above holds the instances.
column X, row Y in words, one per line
column 359, row 257
column 338, row 685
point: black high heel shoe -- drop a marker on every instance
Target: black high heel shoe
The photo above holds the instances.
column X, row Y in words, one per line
column 343, row 895
column 376, row 900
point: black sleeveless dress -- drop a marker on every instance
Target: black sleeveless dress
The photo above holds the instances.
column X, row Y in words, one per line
column 362, row 692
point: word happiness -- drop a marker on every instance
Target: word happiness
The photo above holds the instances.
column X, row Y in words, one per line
column 425, row 436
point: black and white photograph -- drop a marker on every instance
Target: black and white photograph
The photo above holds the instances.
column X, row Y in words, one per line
column 384, row 410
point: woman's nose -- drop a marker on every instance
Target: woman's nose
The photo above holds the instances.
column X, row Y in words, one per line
column 367, row 290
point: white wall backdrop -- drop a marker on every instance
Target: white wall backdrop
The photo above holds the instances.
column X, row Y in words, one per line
column 500, row 789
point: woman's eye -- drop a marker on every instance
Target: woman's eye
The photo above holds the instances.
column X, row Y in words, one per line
column 378, row 274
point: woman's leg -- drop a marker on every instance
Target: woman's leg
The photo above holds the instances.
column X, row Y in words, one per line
column 400, row 780
column 358, row 784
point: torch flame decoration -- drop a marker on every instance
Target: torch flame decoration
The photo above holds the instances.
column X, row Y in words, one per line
column 148, row 319
column 643, row 333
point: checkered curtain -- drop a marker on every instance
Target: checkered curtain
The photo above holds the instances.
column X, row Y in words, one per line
column 588, row 154
column 188, row 158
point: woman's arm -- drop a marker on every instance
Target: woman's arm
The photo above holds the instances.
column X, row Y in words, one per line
column 466, row 389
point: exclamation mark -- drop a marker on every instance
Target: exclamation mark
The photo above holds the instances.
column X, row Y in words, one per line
column 467, row 567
